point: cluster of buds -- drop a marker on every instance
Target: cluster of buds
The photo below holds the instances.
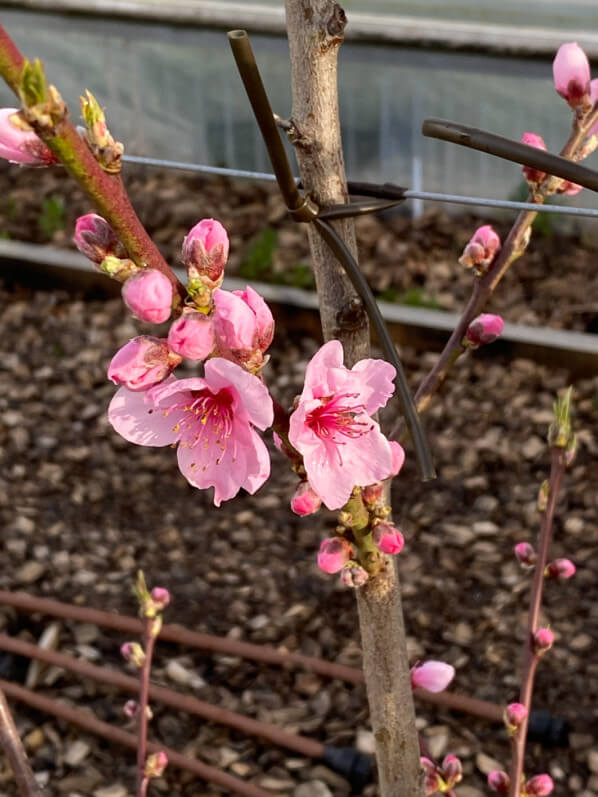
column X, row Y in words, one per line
column 484, row 329
column 441, row 778
column 481, row 249
column 43, row 107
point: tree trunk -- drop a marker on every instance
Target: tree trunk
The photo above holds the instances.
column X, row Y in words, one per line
column 316, row 30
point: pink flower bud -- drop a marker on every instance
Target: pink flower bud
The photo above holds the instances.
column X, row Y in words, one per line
column 525, row 554
column 481, row 249
column 486, row 328
column 264, row 322
column 142, row 363
column 133, row 653
column 155, row 764
column 192, row 335
column 561, row 569
column 18, row 142
column 305, row 501
column 388, row 539
column 372, row 493
column 433, row 676
column 130, row 708
column 354, row 575
column 533, row 175
column 539, row 786
column 160, row 597
column 432, row 780
column 334, row 554
column 398, row 457
column 452, row 770
column 499, row 781
column 571, row 71
column 570, row 189
column 148, row 295
column 205, row 250
column 515, row 714
column 95, row 238
column 543, row 640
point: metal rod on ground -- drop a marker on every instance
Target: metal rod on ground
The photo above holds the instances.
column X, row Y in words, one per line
column 348, row 762
column 511, row 150
column 88, row 721
column 262, row 653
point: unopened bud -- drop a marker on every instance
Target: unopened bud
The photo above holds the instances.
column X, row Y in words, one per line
column 538, row 786
column 452, row 770
column 387, row 538
column 130, row 708
column 133, row 653
column 192, row 335
column 533, row 176
column 18, row 142
column 354, row 575
column 205, row 251
column 559, row 434
column 514, row 716
column 119, row 268
column 433, row 676
column 106, row 150
column 148, row 295
column 571, row 72
column 484, row 329
column 305, row 501
column 561, row 569
column 155, row 764
column 499, row 781
column 95, row 238
column 334, row 554
column 372, row 494
column 525, row 554
column 481, row 249
column 160, row 597
column 142, row 363
column 542, row 641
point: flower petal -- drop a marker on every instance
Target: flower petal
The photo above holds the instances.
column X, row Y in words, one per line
column 376, row 383
column 253, row 396
column 135, row 417
column 330, row 355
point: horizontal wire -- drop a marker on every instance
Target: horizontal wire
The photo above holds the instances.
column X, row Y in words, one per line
column 456, row 199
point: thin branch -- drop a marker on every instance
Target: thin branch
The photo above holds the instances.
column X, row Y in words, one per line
column 10, row 742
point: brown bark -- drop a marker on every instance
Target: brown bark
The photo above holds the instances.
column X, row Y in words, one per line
column 315, row 30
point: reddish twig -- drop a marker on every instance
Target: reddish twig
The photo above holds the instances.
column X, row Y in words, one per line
column 106, row 191
column 557, row 470
column 90, row 723
column 143, row 718
column 10, row 742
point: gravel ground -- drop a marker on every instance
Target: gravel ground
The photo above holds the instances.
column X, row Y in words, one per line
column 81, row 510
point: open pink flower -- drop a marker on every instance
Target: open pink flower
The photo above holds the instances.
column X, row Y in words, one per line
column 212, row 419
column 18, row 142
column 331, row 427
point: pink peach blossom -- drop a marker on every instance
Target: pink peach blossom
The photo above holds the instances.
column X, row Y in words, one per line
column 305, row 501
column 486, row 328
column 211, row 418
column 334, row 554
column 142, row 363
column 192, row 335
column 571, row 71
column 433, row 676
column 533, row 175
column 18, row 142
column 148, row 295
column 388, row 539
column 481, row 248
column 398, row 457
column 332, row 426
column 205, row 250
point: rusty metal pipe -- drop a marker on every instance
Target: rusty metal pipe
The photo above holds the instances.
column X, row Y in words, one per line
column 185, row 703
column 262, row 653
column 92, row 724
